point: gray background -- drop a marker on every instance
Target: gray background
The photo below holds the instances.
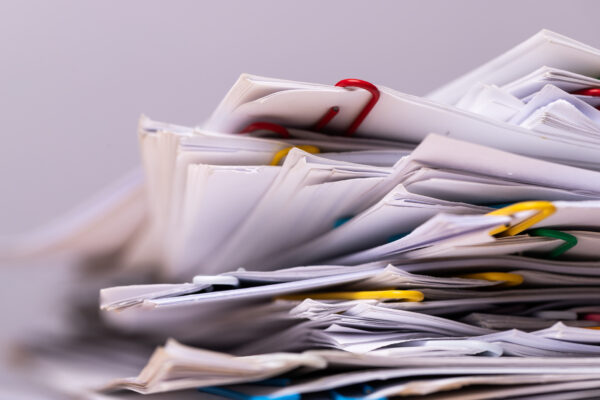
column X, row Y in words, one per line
column 76, row 75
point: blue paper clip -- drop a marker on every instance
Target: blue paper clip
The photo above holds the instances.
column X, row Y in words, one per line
column 235, row 395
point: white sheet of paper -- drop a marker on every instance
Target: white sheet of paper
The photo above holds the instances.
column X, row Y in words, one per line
column 546, row 48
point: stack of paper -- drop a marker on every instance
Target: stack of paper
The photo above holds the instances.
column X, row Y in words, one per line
column 352, row 241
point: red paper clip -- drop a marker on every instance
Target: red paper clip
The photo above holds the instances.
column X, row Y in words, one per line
column 593, row 92
column 332, row 112
column 592, row 317
column 267, row 126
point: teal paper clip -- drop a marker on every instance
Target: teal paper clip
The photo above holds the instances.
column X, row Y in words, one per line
column 342, row 221
column 397, row 236
column 235, row 395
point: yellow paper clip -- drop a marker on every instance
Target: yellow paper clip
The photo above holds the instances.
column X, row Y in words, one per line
column 509, row 279
column 408, row 295
column 284, row 152
column 544, row 210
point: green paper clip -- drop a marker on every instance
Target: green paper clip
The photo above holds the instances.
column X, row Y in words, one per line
column 570, row 241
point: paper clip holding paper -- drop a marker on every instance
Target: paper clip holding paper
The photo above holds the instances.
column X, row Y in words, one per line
column 591, row 317
column 508, row 278
column 397, row 236
column 333, row 111
column 284, row 152
column 592, row 92
column 267, row 126
column 570, row 241
column 341, row 221
column 408, row 295
column 542, row 209
column 235, row 395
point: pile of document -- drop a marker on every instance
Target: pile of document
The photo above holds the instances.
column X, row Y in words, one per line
column 351, row 241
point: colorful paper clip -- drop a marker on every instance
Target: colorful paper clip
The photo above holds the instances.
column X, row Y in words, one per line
column 267, row 126
column 397, row 236
column 235, row 395
column 284, row 152
column 341, row 221
column 543, row 210
column 333, row 111
column 591, row 317
column 593, row 92
column 570, row 241
column 366, row 390
column 408, row 295
column 508, row 278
